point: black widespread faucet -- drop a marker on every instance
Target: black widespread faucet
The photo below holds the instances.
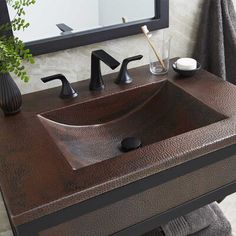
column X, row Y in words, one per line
column 96, row 82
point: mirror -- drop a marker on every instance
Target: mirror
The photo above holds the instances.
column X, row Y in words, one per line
column 58, row 24
column 80, row 15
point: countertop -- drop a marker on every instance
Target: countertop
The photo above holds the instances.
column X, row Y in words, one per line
column 36, row 180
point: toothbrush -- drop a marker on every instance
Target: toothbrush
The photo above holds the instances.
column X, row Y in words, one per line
column 148, row 36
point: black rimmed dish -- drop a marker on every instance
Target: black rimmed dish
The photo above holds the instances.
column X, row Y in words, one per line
column 186, row 73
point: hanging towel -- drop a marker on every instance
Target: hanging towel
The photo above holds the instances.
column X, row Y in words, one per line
column 206, row 221
column 216, row 42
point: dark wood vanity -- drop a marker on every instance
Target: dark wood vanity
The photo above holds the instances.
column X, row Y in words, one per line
column 131, row 193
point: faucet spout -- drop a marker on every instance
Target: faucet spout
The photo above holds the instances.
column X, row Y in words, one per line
column 96, row 82
column 106, row 58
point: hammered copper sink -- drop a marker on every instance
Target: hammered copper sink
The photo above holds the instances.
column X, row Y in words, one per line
column 62, row 171
column 91, row 132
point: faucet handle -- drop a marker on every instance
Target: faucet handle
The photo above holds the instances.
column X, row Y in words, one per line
column 66, row 91
column 124, row 77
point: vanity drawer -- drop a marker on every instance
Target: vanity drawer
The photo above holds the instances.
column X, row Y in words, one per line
column 137, row 208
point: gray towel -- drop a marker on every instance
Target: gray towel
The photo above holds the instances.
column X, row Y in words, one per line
column 216, row 43
column 220, row 227
column 206, row 221
column 190, row 223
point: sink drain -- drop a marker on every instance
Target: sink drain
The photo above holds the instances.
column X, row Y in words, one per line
column 130, row 143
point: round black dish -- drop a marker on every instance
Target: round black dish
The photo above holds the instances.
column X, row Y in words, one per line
column 186, row 73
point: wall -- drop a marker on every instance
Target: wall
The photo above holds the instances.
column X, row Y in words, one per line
column 75, row 63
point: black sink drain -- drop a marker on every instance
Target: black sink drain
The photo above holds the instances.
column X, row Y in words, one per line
column 130, row 143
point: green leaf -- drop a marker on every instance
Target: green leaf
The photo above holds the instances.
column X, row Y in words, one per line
column 12, row 49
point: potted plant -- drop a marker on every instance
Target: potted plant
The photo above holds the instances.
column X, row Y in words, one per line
column 12, row 55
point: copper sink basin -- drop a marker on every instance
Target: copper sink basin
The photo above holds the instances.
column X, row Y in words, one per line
column 92, row 131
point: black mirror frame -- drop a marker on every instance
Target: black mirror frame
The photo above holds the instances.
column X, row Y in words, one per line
column 54, row 44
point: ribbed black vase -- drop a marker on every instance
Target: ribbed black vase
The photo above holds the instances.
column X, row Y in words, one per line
column 10, row 96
